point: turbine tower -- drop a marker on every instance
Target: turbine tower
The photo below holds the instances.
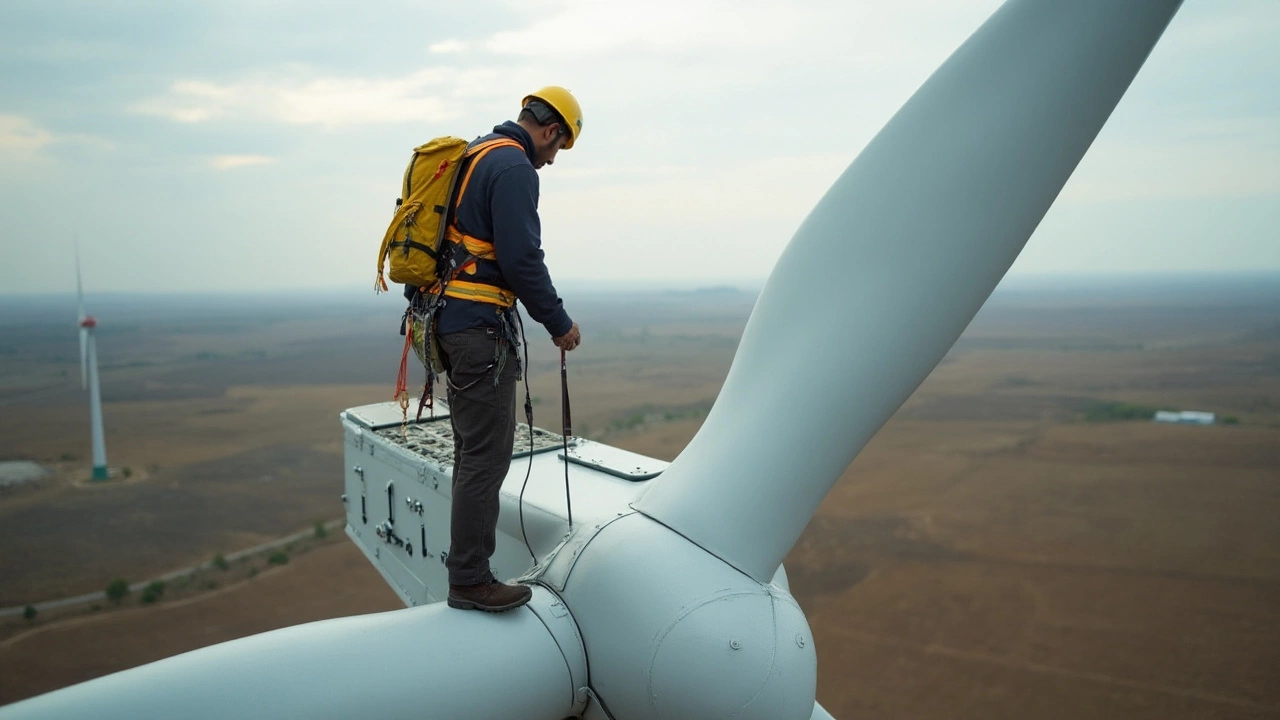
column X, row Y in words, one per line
column 89, row 378
column 666, row 597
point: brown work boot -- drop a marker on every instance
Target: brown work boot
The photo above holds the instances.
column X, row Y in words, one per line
column 492, row 596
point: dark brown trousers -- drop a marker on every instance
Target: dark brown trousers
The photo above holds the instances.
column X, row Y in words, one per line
column 483, row 415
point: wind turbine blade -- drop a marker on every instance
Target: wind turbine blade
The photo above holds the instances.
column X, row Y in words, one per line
column 426, row 662
column 79, row 287
column 820, row 713
column 894, row 262
column 84, row 358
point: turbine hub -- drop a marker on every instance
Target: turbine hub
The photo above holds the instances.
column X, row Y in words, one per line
column 733, row 654
column 674, row 632
column 88, row 322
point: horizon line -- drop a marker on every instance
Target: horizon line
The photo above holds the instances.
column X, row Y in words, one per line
column 616, row 287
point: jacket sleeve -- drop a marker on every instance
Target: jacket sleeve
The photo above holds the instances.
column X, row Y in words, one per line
column 517, row 241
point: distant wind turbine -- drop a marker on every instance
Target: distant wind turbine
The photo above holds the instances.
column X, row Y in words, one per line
column 89, row 377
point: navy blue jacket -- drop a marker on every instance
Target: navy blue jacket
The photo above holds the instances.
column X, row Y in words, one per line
column 501, row 206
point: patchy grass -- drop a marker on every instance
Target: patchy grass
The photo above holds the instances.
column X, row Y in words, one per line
column 1106, row 411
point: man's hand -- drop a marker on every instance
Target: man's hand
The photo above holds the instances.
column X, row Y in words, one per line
column 569, row 340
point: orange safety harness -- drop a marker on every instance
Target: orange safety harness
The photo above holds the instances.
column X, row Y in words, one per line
column 467, row 250
column 463, row 253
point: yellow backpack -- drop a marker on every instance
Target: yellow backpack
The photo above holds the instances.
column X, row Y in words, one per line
column 412, row 241
column 415, row 238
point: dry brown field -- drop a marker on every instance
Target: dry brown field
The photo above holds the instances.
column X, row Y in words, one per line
column 997, row 551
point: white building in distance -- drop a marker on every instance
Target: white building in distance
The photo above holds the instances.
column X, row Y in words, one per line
column 1185, row 417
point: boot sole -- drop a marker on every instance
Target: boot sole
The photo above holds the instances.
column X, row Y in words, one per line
column 460, row 604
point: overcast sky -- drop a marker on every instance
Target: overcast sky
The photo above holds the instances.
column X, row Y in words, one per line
column 241, row 145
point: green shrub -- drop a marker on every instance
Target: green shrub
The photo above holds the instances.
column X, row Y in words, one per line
column 1230, row 420
column 220, row 562
column 153, row 591
column 29, row 612
column 278, row 557
column 320, row 531
column 117, row 590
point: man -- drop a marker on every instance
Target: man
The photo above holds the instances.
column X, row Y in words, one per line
column 496, row 221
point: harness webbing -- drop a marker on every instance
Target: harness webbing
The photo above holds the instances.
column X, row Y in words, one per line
column 474, row 248
column 480, row 292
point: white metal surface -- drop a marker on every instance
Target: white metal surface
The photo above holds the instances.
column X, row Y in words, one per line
column 894, row 262
column 389, row 414
column 820, row 713
column 673, row 632
column 615, row 461
column 425, row 663
column 388, row 479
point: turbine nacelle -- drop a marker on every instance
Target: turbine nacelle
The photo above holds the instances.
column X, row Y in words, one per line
column 645, row 602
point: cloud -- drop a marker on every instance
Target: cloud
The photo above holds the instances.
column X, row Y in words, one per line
column 448, row 47
column 296, row 97
column 582, row 28
column 1235, row 157
column 23, row 141
column 231, row 162
column 20, row 136
column 712, row 126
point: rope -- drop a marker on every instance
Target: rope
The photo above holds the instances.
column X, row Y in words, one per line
column 402, row 379
column 528, row 416
column 428, row 399
column 567, row 423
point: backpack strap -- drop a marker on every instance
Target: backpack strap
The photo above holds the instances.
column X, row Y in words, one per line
column 474, row 155
column 477, row 248
column 473, row 248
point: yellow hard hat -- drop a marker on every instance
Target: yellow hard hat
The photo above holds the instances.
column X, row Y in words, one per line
column 563, row 102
